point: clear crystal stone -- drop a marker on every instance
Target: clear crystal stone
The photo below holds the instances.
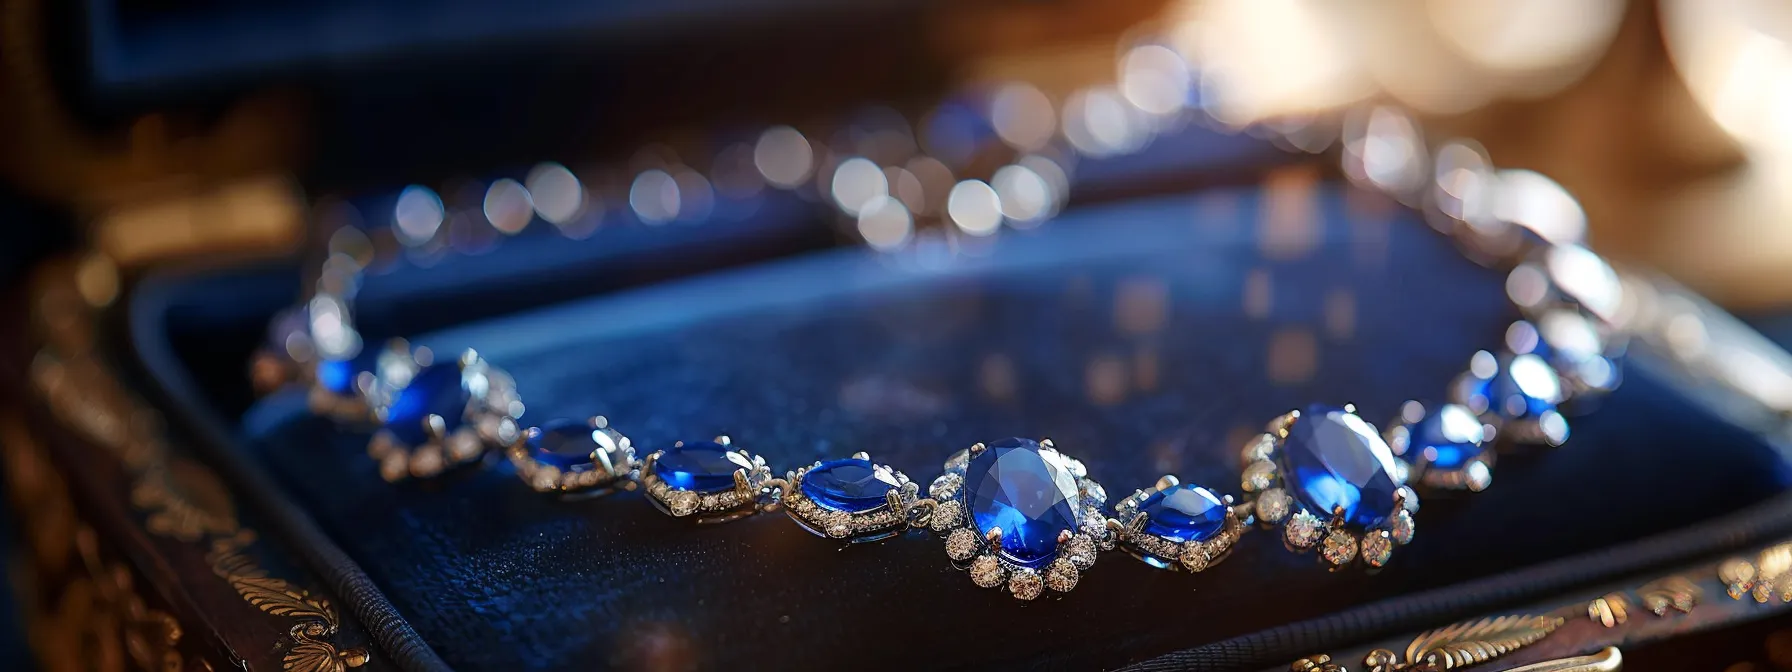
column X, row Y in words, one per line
column 1258, row 476
column 1258, row 449
column 1026, row 584
column 1377, row 548
column 946, row 486
column 987, row 572
column 1400, row 526
column 961, row 544
column 947, row 515
column 1339, row 548
column 1061, row 576
column 1273, row 505
column 1303, row 530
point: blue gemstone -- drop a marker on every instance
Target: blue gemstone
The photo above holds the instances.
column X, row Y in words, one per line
column 338, row 375
column 848, row 485
column 1525, row 387
column 568, row 444
column 435, row 390
column 1026, row 492
column 1186, row 512
column 1333, row 460
column 1447, row 438
column 700, row 466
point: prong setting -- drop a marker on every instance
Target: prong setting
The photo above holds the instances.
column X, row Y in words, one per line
column 980, row 550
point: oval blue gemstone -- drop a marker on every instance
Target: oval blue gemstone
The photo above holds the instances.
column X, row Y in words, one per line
column 1448, row 438
column 435, row 390
column 1186, row 512
column 1524, row 388
column 699, row 466
column 852, row 484
column 568, row 444
column 1029, row 494
column 1333, row 460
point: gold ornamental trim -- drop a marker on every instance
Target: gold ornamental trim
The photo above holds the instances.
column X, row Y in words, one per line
column 178, row 498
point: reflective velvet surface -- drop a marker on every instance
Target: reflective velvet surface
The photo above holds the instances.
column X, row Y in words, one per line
column 1145, row 338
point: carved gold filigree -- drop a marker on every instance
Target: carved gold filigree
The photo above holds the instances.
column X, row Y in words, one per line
column 1477, row 642
column 179, row 498
column 1456, row 646
column 1610, row 610
column 1607, row 659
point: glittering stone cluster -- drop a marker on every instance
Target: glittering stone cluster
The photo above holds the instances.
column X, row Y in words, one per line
column 429, row 414
column 850, row 499
column 573, row 456
column 1333, row 485
column 1018, row 514
column 1177, row 525
column 710, row 479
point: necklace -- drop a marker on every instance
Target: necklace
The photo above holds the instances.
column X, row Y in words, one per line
column 1022, row 513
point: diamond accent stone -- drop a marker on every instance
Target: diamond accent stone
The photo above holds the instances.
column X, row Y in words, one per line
column 1194, row 556
column 1401, row 527
column 1303, row 531
column 683, row 503
column 1061, row 576
column 1092, row 492
column 946, row 515
column 1339, row 548
column 1080, row 552
column 1259, row 448
column 946, row 486
column 1378, row 547
column 839, row 525
column 987, row 572
column 961, row 544
column 1258, row 476
column 1026, row 584
column 1273, row 505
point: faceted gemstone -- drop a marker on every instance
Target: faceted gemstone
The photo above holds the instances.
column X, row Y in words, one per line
column 1448, row 438
column 569, row 444
column 852, row 485
column 1333, row 460
column 1186, row 512
column 1525, row 387
column 1026, row 492
column 699, row 466
column 338, row 375
column 435, row 390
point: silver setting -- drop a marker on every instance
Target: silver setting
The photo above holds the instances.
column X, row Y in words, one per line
column 394, row 364
column 1128, row 527
column 978, row 551
column 754, row 490
column 1473, row 474
column 442, row 450
column 1340, row 544
column 1537, row 378
column 613, row 465
column 902, row 508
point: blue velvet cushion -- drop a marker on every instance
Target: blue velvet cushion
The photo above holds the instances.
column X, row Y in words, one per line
column 1145, row 338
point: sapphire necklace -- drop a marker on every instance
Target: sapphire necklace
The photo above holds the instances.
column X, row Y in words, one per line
column 1023, row 513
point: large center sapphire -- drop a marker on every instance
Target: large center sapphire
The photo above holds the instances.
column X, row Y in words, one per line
column 1027, row 493
column 1333, row 460
column 435, row 390
column 699, row 466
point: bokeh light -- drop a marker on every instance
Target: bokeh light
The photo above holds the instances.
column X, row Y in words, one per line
column 417, row 215
column 508, row 206
column 974, row 208
column 784, row 157
column 557, row 194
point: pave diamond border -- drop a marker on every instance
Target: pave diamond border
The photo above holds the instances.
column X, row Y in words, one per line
column 1128, row 526
column 616, row 469
column 1303, row 530
column 881, row 522
column 744, row 499
column 442, row 451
